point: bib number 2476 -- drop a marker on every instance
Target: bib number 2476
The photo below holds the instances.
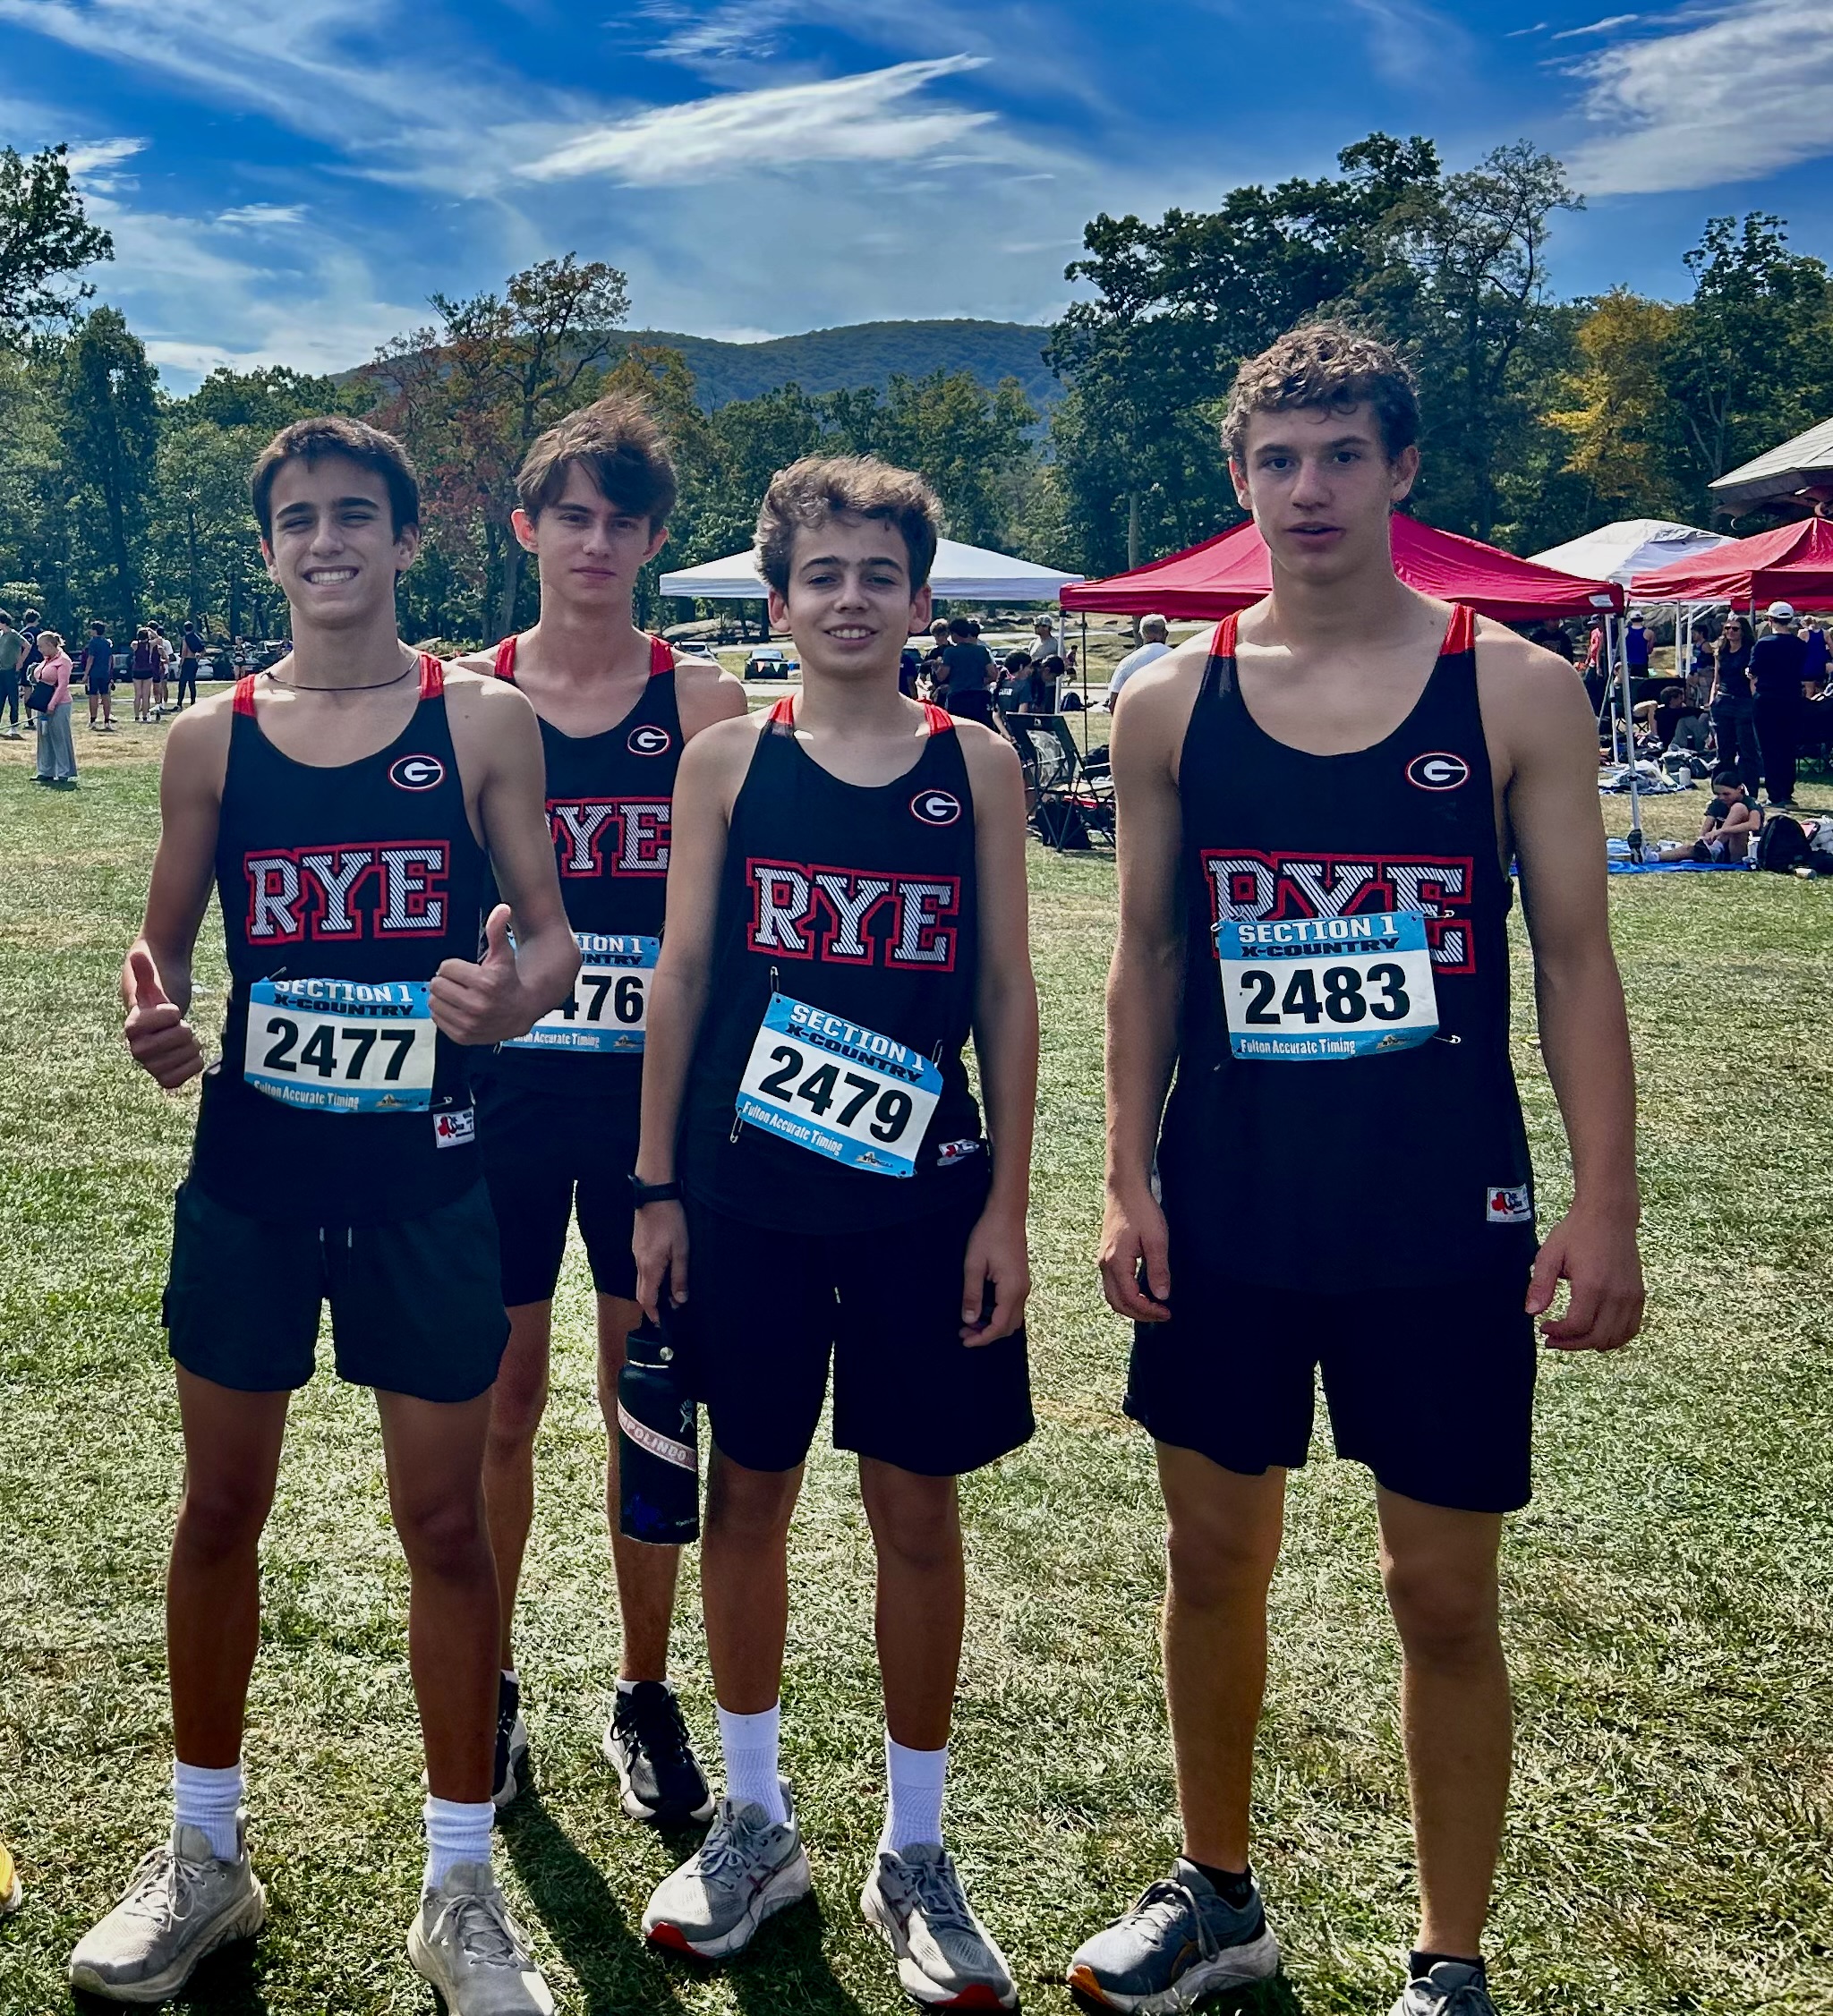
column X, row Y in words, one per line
column 340, row 1046
column 608, row 1008
column 838, row 1090
column 1309, row 989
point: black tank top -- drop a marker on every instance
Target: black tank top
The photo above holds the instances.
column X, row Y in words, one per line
column 365, row 873
column 860, row 901
column 1346, row 1172
column 608, row 797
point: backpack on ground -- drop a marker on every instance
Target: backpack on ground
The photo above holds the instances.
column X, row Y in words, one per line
column 1061, row 824
column 1782, row 845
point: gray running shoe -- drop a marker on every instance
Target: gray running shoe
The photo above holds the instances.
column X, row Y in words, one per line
column 746, row 1868
column 464, row 1942
column 181, row 1903
column 1452, row 1988
column 946, row 1958
column 1180, row 1943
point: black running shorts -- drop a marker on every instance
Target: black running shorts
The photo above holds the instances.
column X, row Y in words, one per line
column 416, row 1303
column 545, row 1158
column 767, row 1310
column 1432, row 1386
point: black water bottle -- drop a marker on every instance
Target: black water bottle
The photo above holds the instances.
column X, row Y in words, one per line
column 658, row 1444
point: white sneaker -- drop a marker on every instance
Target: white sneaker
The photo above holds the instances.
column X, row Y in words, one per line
column 464, row 1942
column 182, row 1904
column 946, row 1958
column 747, row 1868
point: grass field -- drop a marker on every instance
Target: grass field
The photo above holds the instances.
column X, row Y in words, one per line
column 1669, row 1594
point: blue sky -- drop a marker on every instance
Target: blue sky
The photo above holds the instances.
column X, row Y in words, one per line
column 288, row 180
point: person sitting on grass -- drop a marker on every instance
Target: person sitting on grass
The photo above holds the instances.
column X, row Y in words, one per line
column 1726, row 833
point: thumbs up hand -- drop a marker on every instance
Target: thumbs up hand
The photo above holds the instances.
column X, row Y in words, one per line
column 160, row 1039
column 483, row 1000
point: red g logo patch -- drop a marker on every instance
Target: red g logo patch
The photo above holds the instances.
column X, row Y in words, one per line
column 936, row 808
column 1438, row 771
column 416, row 773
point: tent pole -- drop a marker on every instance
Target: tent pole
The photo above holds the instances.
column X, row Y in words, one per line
column 1082, row 662
column 1628, row 740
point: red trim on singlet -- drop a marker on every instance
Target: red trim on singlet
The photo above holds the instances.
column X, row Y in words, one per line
column 661, row 657
column 432, row 677
column 783, row 714
column 1460, row 634
column 941, row 721
column 243, row 703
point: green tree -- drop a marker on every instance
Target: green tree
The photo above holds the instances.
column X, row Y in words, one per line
column 108, row 436
column 1617, row 414
column 45, row 238
column 1749, row 360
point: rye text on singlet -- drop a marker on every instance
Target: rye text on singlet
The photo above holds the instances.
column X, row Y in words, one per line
column 841, row 1091
column 608, row 1011
column 342, row 1046
column 1309, row 989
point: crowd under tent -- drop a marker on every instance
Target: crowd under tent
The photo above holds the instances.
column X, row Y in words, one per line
column 1798, row 471
column 1790, row 564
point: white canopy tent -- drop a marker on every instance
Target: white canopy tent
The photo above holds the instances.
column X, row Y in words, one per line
column 962, row 574
column 1631, row 547
column 1618, row 552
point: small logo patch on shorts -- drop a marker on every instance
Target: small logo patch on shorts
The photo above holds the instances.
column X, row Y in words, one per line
column 1513, row 1205
column 457, row 1129
column 950, row 1152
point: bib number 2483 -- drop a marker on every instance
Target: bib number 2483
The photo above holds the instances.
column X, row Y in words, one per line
column 1309, row 989
column 839, row 1091
column 340, row 1046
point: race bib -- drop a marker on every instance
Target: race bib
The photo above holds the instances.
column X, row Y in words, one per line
column 1309, row 989
column 838, row 1090
column 342, row 1046
column 608, row 1009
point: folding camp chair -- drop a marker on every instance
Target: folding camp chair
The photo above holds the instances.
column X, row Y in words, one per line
column 1067, row 798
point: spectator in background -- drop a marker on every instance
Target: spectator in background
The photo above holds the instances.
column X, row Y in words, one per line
column 970, row 666
column 1664, row 716
column 1635, row 648
column 1044, row 642
column 1596, row 665
column 56, row 749
column 1553, row 637
column 162, row 672
column 98, row 677
column 191, row 649
column 1050, row 676
column 14, row 644
column 1153, row 632
column 1732, row 722
column 143, row 661
column 31, row 624
column 1731, row 823
column 1775, row 675
column 1814, row 666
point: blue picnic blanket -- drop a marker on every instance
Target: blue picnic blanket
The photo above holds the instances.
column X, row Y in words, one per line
column 1681, row 867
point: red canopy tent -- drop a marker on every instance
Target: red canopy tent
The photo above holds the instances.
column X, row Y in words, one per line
column 1788, row 564
column 1232, row 570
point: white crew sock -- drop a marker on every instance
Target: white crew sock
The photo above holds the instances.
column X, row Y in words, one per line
column 209, row 1801
column 749, row 1745
column 456, row 1833
column 915, row 1782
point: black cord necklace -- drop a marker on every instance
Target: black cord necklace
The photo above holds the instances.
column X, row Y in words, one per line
column 375, row 685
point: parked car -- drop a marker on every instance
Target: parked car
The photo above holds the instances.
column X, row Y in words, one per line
column 770, row 661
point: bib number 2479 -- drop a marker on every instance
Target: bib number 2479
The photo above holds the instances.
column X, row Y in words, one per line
column 841, row 1091
column 1309, row 989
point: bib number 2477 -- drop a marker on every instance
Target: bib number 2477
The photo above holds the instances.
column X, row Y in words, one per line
column 1309, row 989
column 341, row 1046
column 838, row 1090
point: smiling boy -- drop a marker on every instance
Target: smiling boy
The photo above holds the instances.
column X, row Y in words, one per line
column 346, row 807
column 847, row 907
column 1318, row 804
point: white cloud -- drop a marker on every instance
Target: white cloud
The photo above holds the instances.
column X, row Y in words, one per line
column 1729, row 95
column 837, row 119
column 261, row 217
column 85, row 157
column 1597, row 27
column 1409, row 42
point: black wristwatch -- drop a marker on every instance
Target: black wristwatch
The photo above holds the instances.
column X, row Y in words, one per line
column 642, row 1192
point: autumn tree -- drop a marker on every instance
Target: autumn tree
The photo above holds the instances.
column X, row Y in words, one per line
column 1617, row 415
